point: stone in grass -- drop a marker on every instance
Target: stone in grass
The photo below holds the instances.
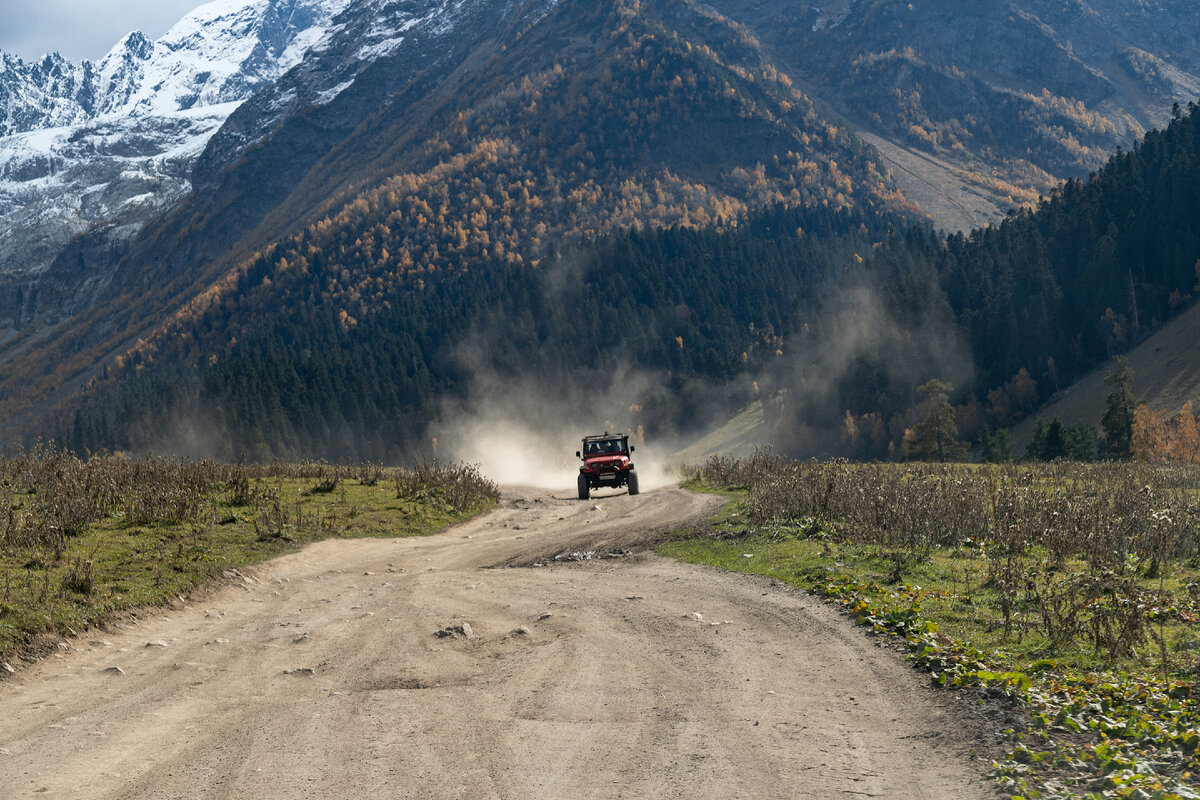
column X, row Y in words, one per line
column 300, row 671
column 156, row 643
column 114, row 670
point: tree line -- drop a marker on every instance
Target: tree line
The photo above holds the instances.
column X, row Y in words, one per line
column 1053, row 291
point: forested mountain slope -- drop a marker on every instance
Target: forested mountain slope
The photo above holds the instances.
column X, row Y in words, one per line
column 662, row 330
column 1038, row 306
column 830, row 319
column 526, row 130
column 567, row 191
column 1166, row 375
column 1051, row 292
column 1010, row 97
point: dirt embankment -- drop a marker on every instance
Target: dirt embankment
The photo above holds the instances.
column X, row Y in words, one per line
column 445, row 667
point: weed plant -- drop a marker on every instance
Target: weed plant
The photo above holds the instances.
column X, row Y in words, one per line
column 1095, row 562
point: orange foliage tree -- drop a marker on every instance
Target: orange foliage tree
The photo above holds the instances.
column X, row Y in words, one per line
column 1161, row 439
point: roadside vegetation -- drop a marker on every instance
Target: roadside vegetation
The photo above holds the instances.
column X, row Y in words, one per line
column 1073, row 589
column 83, row 540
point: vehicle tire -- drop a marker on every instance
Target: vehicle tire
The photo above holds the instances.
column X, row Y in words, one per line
column 631, row 481
column 583, row 487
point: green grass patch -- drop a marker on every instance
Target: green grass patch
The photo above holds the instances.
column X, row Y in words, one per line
column 130, row 559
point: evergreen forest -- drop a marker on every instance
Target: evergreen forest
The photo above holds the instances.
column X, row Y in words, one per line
column 832, row 317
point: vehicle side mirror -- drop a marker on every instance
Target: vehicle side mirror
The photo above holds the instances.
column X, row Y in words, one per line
column 632, row 448
column 577, row 454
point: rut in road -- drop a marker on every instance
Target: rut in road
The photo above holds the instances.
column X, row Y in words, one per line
column 433, row 668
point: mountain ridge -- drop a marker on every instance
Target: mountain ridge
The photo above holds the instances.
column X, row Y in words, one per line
column 1017, row 95
column 116, row 141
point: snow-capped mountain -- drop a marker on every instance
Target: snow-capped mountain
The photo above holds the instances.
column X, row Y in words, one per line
column 420, row 33
column 250, row 117
column 103, row 145
column 92, row 154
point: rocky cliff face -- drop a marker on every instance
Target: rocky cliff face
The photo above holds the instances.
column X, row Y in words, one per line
column 395, row 42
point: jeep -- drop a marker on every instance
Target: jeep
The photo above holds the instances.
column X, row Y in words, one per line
column 606, row 463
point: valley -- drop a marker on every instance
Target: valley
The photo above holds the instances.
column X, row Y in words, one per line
column 303, row 271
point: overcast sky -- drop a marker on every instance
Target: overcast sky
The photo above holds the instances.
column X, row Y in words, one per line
column 82, row 29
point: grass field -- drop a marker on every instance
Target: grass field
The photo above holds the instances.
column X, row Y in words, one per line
column 1071, row 589
column 83, row 540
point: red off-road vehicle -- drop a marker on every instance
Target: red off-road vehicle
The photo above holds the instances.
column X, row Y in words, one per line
column 606, row 463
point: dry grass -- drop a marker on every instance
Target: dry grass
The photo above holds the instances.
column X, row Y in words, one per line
column 1103, row 558
column 81, row 540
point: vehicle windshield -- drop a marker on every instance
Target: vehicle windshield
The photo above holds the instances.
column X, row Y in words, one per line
column 604, row 446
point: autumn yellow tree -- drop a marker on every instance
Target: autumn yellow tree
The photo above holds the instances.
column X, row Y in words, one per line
column 1185, row 448
column 1149, row 436
column 1159, row 439
column 935, row 436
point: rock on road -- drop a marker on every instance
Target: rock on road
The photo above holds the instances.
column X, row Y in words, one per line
column 448, row 667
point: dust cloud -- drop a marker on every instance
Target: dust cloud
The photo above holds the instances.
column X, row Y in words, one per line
column 858, row 348
column 526, row 432
column 858, row 353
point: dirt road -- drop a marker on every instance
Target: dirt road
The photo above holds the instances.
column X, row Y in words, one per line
column 323, row 676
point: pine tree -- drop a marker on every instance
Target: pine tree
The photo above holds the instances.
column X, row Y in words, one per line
column 1036, row 449
column 996, row 447
column 1118, row 412
column 1056, row 445
column 935, row 437
column 1083, row 443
